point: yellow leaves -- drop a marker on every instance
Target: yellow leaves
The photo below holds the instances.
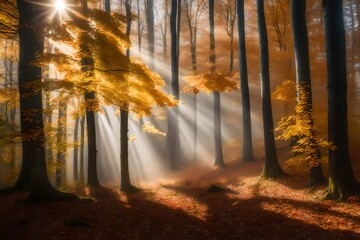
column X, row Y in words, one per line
column 132, row 138
column 115, row 78
column 210, row 82
column 92, row 105
column 8, row 18
column 285, row 91
column 9, row 96
column 149, row 128
column 299, row 127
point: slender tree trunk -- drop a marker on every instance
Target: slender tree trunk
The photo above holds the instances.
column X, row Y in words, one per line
column 245, row 96
column 150, row 31
column 193, row 53
column 82, row 150
column 31, row 43
column 219, row 159
column 231, row 53
column 139, row 25
column 272, row 168
column 303, row 81
column 342, row 181
column 61, row 140
column 76, row 149
column 172, row 135
column 165, row 29
column 124, row 122
column 90, row 99
column 107, row 5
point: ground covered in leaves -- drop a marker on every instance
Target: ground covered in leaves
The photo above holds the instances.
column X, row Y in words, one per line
column 230, row 203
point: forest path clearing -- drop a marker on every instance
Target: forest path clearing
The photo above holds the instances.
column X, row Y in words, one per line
column 248, row 208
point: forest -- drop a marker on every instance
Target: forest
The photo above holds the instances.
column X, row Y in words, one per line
column 180, row 119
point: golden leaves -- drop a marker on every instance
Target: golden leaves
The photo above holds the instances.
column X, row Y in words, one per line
column 285, row 91
column 149, row 128
column 115, row 78
column 210, row 82
column 299, row 127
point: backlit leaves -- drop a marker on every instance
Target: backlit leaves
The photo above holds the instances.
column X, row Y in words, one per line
column 210, row 82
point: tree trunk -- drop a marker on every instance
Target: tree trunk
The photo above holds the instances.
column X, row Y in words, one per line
column 87, row 65
column 231, row 53
column 124, row 124
column 272, row 168
column 150, row 31
column 139, row 25
column 245, row 96
column 342, row 181
column 61, row 140
column 219, row 159
column 303, row 80
column 76, row 149
column 172, row 135
column 31, row 43
column 107, row 6
column 82, row 150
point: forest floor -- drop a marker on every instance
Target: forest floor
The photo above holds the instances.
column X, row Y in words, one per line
column 243, row 207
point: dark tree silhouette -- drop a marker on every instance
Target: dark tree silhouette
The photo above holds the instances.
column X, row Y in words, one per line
column 87, row 65
column 245, row 97
column 124, row 128
column 219, row 159
column 31, row 19
column 303, row 79
column 150, row 30
column 272, row 168
column 342, row 181
column 172, row 135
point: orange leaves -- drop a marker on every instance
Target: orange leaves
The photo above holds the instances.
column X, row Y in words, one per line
column 285, row 91
column 115, row 78
column 210, row 82
column 149, row 128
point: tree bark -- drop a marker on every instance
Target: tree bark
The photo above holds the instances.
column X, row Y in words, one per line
column 303, row 80
column 172, row 135
column 87, row 65
column 272, row 168
column 31, row 43
column 342, row 181
column 245, row 96
column 219, row 159
column 61, row 140
column 82, row 150
column 76, row 149
column 124, row 124
column 150, row 31
column 107, row 6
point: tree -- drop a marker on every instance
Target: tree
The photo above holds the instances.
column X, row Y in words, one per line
column 126, row 185
column 229, row 18
column 140, row 24
column 193, row 11
column 162, row 19
column 173, row 135
column 150, row 30
column 32, row 128
column 342, row 181
column 272, row 168
column 61, row 139
column 219, row 159
column 87, row 67
column 277, row 14
column 245, row 97
column 303, row 80
column 76, row 147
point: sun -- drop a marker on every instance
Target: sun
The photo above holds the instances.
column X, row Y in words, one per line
column 60, row 5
